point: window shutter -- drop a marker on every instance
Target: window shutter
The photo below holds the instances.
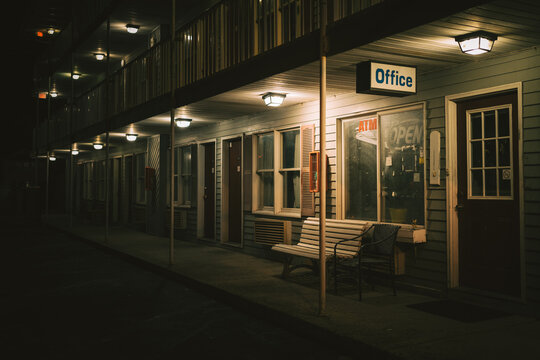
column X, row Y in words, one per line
column 248, row 153
column 194, row 175
column 307, row 138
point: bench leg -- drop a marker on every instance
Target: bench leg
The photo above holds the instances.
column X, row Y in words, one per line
column 286, row 267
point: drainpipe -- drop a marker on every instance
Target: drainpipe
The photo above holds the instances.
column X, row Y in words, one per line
column 322, row 132
column 172, row 86
column 107, row 126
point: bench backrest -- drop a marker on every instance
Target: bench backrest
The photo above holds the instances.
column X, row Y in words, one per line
column 336, row 230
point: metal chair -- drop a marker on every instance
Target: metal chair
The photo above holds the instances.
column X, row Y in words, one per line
column 377, row 249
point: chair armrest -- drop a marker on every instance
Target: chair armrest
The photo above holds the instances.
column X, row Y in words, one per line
column 354, row 238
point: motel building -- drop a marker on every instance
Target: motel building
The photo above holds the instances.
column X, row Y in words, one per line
column 431, row 113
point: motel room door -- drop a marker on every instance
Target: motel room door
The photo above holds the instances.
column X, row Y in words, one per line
column 234, row 206
column 209, row 190
column 488, row 195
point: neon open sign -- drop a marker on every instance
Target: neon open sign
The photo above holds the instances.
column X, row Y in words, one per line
column 385, row 79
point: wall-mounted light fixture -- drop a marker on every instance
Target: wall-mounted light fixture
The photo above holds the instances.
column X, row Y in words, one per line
column 99, row 56
column 182, row 123
column 273, row 99
column 476, row 43
column 74, row 152
column 53, row 94
column 52, row 157
column 75, row 76
column 132, row 29
column 98, row 146
column 131, row 137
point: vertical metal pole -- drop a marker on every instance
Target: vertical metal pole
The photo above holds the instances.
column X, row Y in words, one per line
column 47, row 147
column 322, row 131
column 71, row 140
column 107, row 125
column 172, row 83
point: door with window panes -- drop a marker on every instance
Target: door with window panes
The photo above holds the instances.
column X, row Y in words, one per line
column 488, row 195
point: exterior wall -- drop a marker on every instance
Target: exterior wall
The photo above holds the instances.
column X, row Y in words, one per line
column 427, row 264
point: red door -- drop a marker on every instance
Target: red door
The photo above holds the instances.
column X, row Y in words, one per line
column 488, row 195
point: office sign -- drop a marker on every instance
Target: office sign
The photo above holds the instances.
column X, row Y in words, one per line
column 385, row 79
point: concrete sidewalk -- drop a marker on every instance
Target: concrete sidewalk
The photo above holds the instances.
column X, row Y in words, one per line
column 381, row 326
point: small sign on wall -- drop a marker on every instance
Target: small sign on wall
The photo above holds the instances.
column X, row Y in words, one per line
column 385, row 79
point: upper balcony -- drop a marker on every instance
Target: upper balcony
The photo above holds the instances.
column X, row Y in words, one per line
column 224, row 36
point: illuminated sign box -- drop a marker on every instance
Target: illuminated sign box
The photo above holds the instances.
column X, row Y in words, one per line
column 385, row 79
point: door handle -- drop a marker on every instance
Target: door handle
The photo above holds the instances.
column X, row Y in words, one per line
column 459, row 207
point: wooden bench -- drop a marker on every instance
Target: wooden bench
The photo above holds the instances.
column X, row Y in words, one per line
column 308, row 245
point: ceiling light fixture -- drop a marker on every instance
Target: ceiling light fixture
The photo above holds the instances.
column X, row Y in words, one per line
column 131, row 137
column 273, row 99
column 75, row 76
column 52, row 157
column 50, row 31
column 132, row 29
column 98, row 146
column 54, row 94
column 74, row 152
column 476, row 43
column 99, row 56
column 182, row 123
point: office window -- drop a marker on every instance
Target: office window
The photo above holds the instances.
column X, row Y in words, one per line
column 391, row 190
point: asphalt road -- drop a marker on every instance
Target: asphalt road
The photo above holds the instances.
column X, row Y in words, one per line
column 65, row 299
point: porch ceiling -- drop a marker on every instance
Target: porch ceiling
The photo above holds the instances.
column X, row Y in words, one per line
column 430, row 47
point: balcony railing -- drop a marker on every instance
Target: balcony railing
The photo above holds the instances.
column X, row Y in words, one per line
column 226, row 35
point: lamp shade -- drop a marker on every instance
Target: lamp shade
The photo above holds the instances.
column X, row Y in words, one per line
column 182, row 123
column 273, row 99
column 131, row 137
column 476, row 43
column 98, row 146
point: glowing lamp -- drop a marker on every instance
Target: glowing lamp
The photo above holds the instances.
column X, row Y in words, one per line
column 99, row 56
column 476, row 43
column 98, row 146
column 182, row 123
column 131, row 137
column 273, row 99
column 132, row 29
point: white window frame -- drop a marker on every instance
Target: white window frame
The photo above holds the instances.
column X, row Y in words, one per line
column 183, row 176
column 378, row 113
column 483, row 167
column 278, row 173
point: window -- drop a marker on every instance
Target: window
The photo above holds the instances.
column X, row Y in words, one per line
column 265, row 169
column 87, row 181
column 100, row 177
column 276, row 180
column 383, row 162
column 140, row 163
column 490, row 153
column 184, row 186
column 290, row 168
column 183, row 175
